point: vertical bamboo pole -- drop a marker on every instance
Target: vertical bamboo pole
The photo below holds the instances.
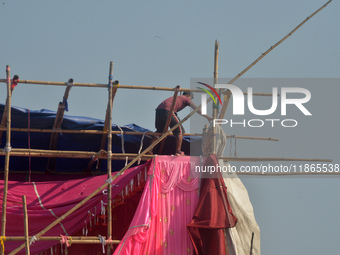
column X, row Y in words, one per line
column 7, row 149
column 27, row 244
column 106, row 125
column 215, row 108
column 109, row 156
column 169, row 118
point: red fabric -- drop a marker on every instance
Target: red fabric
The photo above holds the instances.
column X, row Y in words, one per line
column 211, row 216
column 57, row 198
column 181, row 102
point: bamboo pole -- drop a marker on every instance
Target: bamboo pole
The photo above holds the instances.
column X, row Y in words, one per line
column 253, row 138
column 27, row 244
column 254, row 159
column 120, row 86
column 7, row 152
column 215, row 109
column 288, row 173
column 57, row 125
column 68, row 154
column 99, row 132
column 169, row 118
column 55, row 238
column 228, row 93
column 106, row 127
column 109, row 156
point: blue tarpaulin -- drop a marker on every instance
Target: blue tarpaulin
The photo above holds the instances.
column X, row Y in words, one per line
column 44, row 119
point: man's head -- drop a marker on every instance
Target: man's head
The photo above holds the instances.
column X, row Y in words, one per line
column 188, row 94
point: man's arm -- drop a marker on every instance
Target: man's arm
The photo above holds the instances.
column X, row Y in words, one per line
column 193, row 106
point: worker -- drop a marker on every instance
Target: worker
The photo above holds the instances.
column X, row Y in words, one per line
column 162, row 113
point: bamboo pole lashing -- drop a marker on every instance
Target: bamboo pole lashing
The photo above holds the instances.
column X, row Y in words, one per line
column 169, row 117
column 228, row 93
column 7, row 152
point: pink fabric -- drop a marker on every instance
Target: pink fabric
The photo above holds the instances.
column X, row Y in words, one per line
column 56, row 198
column 167, row 206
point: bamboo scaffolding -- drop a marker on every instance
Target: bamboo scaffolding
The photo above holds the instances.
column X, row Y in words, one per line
column 109, row 155
column 163, row 136
column 27, row 244
column 137, row 87
column 7, row 152
column 112, row 178
column 169, row 117
column 57, row 125
column 228, row 93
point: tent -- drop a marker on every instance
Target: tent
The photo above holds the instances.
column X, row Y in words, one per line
column 159, row 206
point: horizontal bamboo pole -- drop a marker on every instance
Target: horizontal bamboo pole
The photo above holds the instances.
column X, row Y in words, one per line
column 253, row 138
column 98, row 85
column 255, row 159
column 292, row 173
column 75, row 239
column 68, row 154
column 99, row 132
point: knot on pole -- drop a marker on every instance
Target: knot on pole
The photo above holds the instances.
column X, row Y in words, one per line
column 110, row 180
column 103, row 242
column 33, row 239
column 67, row 240
column 8, row 148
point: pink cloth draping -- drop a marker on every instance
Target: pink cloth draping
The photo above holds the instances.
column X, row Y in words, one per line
column 48, row 200
column 166, row 207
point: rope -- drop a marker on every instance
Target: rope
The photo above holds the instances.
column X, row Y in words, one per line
column 103, row 242
column 141, row 147
column 8, row 147
column 2, row 240
column 33, row 239
column 110, row 180
column 122, row 138
column 67, row 240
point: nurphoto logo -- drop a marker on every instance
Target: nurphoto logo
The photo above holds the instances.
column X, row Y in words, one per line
column 286, row 98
